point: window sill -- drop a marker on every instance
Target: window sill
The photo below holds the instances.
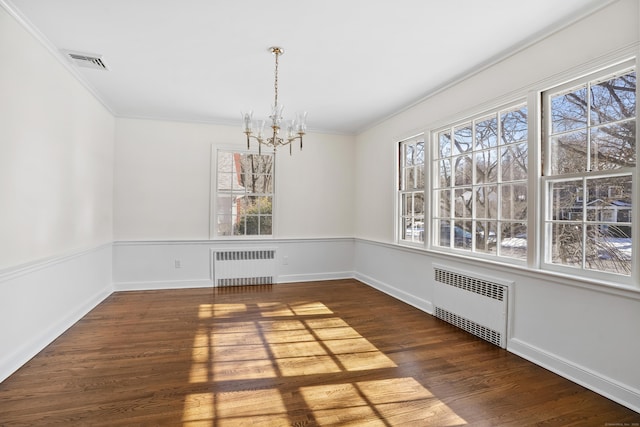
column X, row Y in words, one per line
column 566, row 279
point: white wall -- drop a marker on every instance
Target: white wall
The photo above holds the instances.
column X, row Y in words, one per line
column 56, row 197
column 598, row 35
column 56, row 155
column 41, row 300
column 162, row 184
column 152, row 265
column 57, row 168
column 585, row 331
column 578, row 330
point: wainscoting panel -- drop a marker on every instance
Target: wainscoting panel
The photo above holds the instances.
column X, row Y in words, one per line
column 585, row 332
column 188, row 264
column 41, row 300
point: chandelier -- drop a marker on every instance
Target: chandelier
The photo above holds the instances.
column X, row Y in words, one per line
column 295, row 128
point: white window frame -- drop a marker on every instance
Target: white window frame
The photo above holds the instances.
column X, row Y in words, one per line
column 213, row 205
column 538, row 178
column 404, row 221
column 432, row 213
column 546, row 217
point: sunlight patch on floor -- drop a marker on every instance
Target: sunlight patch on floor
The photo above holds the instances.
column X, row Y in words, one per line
column 232, row 351
column 198, row 410
column 207, row 311
column 397, row 401
column 274, row 309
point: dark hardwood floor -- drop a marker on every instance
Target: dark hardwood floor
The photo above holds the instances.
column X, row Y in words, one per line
column 332, row 353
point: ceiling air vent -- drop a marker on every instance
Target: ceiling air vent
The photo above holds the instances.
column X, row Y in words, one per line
column 88, row 60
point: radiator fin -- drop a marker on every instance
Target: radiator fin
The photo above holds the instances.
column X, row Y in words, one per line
column 254, row 267
column 471, row 284
column 243, row 281
column 470, row 326
column 245, row 255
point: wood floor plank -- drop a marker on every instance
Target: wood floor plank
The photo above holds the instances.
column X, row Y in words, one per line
column 305, row 354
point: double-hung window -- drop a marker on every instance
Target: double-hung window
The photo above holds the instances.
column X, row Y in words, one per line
column 581, row 219
column 479, row 184
column 411, row 189
column 590, row 172
column 243, row 194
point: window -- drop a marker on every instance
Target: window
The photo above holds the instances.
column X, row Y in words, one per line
column 582, row 173
column 411, row 189
column 479, row 184
column 244, row 194
column 590, row 159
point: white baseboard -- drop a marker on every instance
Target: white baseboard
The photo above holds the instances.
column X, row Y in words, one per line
column 403, row 296
column 206, row 283
column 607, row 387
column 12, row 362
column 312, row 277
column 57, row 291
column 61, row 290
column 161, row 284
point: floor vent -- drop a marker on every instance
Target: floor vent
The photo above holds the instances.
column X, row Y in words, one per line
column 475, row 304
column 244, row 267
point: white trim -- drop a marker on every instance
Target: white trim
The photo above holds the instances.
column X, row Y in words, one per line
column 489, row 109
column 626, row 394
column 550, row 276
column 456, row 80
column 585, row 79
column 533, row 185
column 32, row 266
column 432, row 213
column 419, row 303
column 160, row 284
column 213, row 190
column 151, row 265
column 13, row 361
column 49, row 46
column 623, row 394
column 71, row 271
column 619, row 59
column 611, row 59
column 398, row 192
column 227, row 242
column 335, row 275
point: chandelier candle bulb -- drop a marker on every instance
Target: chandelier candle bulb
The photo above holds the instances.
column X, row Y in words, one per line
column 296, row 128
column 291, row 129
column 261, row 129
column 247, row 119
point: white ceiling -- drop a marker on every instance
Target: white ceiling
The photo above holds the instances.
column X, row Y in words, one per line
column 349, row 63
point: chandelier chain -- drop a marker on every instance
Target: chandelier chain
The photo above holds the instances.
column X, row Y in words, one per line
column 275, row 85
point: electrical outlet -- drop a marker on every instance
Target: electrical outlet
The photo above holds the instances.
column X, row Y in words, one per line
column 177, row 264
column 285, row 260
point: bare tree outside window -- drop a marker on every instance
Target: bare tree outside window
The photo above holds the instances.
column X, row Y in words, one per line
column 411, row 189
column 592, row 138
column 244, row 194
column 480, row 190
